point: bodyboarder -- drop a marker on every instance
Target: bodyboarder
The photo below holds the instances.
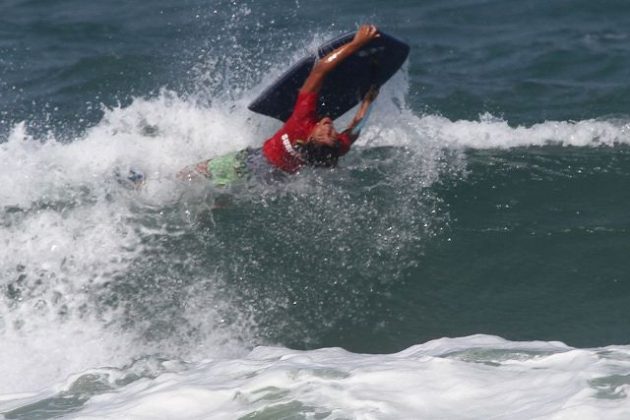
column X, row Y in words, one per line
column 305, row 139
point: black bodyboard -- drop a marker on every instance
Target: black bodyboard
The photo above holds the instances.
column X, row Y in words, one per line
column 344, row 87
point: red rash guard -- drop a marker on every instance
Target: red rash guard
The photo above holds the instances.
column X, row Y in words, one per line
column 279, row 149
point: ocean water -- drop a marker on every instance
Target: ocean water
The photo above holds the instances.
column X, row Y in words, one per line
column 467, row 260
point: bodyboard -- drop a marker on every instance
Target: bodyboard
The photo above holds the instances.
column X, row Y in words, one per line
column 344, row 87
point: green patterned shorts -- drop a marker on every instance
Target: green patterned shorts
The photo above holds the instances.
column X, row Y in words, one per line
column 227, row 169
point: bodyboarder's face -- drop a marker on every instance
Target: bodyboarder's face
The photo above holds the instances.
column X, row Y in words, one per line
column 324, row 133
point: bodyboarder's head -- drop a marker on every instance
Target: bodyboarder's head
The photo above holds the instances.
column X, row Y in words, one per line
column 322, row 146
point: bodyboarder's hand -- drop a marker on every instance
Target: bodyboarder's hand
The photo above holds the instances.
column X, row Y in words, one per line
column 365, row 34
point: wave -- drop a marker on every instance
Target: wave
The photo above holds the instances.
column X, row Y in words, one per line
column 123, row 274
column 495, row 133
column 478, row 376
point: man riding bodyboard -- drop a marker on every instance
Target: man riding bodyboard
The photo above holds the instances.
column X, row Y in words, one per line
column 305, row 139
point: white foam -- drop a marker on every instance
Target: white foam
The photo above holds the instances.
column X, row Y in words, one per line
column 488, row 378
column 490, row 132
column 68, row 227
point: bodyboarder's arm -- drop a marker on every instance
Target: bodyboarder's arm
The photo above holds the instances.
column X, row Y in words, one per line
column 355, row 126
